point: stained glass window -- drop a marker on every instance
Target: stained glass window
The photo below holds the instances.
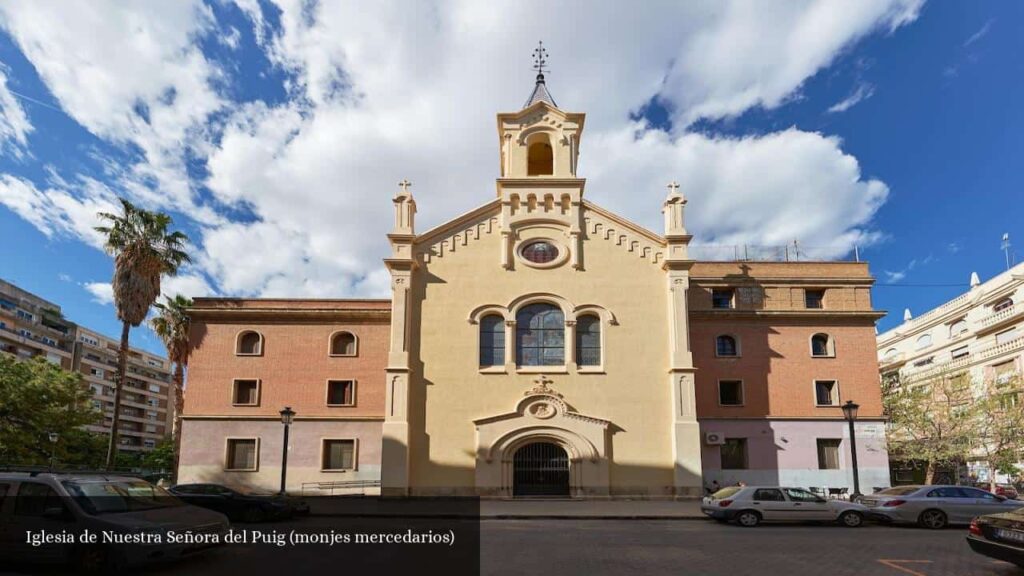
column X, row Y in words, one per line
column 540, row 252
column 540, row 336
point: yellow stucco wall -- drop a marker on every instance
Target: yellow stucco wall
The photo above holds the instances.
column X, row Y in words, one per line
column 448, row 391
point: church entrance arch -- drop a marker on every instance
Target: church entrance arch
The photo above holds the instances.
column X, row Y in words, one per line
column 540, row 469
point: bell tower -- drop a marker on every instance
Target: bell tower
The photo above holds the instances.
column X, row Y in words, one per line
column 539, row 151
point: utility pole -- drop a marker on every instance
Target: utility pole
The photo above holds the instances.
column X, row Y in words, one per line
column 1006, row 248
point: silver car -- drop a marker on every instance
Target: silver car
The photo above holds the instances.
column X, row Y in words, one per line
column 750, row 505
column 935, row 506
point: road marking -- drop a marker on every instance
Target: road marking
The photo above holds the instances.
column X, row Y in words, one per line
column 895, row 565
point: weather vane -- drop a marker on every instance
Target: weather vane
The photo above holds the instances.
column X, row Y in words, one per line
column 540, row 58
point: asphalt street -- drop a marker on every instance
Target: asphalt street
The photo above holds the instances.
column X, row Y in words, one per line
column 617, row 547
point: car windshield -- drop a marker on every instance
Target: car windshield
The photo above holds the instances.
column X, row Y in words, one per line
column 119, row 496
column 898, row 491
column 726, row 492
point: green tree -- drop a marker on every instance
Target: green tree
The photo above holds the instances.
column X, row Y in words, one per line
column 38, row 398
column 144, row 249
column 172, row 326
column 999, row 427
column 932, row 419
column 163, row 457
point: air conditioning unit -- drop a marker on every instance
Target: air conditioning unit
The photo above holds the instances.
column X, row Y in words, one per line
column 714, row 438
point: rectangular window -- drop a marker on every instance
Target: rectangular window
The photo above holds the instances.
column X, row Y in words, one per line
column 960, row 352
column 1006, row 336
column 828, row 453
column 246, row 393
column 341, row 393
column 814, row 299
column 241, row 454
column 730, row 392
column 339, row 455
column 734, row 454
column 588, row 341
column 826, row 393
column 1005, row 373
column 721, row 298
column 492, row 341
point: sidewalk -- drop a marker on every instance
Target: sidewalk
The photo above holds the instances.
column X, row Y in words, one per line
column 508, row 509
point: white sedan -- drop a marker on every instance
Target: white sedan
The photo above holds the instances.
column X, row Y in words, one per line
column 751, row 505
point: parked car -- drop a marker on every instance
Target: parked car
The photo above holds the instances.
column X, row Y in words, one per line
column 1007, row 490
column 112, row 507
column 240, row 506
column 999, row 536
column 750, row 505
column 935, row 506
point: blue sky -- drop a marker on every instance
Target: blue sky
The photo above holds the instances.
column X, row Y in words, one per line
column 274, row 133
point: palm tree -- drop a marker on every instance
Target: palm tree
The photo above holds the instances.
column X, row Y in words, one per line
column 172, row 325
column 143, row 251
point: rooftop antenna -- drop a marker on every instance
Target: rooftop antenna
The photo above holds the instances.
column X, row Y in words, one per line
column 1006, row 248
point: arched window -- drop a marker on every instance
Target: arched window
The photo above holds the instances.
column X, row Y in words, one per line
column 1002, row 304
column 588, row 341
column 540, row 157
column 957, row 328
column 492, row 340
column 822, row 345
column 249, row 343
column 540, row 336
column 725, row 345
column 923, row 341
column 890, row 354
column 343, row 344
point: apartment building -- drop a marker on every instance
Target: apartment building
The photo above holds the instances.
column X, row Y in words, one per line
column 980, row 334
column 147, row 398
column 31, row 326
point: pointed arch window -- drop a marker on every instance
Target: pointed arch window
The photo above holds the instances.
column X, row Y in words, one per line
column 540, row 336
column 588, row 340
column 492, row 340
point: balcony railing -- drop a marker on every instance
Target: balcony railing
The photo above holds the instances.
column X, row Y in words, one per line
column 1003, row 315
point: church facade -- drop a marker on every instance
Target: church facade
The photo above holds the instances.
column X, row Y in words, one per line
column 541, row 345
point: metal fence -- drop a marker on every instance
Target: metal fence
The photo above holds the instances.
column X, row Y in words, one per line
column 794, row 252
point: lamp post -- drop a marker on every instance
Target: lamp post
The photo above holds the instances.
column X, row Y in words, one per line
column 287, row 416
column 850, row 412
column 53, row 447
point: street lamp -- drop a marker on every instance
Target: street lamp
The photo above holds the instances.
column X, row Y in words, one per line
column 287, row 416
column 850, row 412
column 53, row 447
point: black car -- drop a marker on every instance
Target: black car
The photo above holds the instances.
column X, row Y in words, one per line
column 240, row 506
column 999, row 536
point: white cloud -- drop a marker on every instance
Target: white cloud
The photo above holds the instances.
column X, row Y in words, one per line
column 863, row 92
column 102, row 292
column 56, row 211
column 14, row 123
column 130, row 73
column 981, row 33
column 410, row 91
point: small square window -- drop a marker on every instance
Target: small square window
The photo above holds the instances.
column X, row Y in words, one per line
column 814, row 299
column 241, row 454
column 341, row 393
column 730, row 392
column 722, row 298
column 826, row 393
column 246, row 393
column 339, row 455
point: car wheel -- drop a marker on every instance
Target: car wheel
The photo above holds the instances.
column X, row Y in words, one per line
column 933, row 519
column 851, row 519
column 252, row 514
column 748, row 518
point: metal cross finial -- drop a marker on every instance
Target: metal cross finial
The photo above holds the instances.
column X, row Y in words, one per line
column 543, row 380
column 673, row 187
column 405, row 185
column 540, row 58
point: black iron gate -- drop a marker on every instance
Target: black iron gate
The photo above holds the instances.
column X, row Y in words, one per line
column 540, row 469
